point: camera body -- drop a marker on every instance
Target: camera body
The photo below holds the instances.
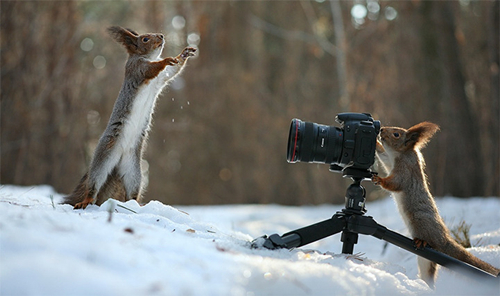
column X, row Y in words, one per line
column 350, row 146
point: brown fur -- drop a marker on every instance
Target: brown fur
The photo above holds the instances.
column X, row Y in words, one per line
column 408, row 182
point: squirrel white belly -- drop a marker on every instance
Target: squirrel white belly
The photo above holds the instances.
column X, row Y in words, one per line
column 115, row 169
column 399, row 153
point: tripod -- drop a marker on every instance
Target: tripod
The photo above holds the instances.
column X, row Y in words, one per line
column 351, row 222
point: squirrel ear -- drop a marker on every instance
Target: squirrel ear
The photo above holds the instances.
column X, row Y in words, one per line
column 124, row 36
column 133, row 32
column 419, row 135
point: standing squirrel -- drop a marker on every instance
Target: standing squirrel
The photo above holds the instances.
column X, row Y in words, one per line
column 399, row 153
column 115, row 170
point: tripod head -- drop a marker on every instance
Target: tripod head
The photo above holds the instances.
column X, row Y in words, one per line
column 355, row 199
column 354, row 173
column 355, row 193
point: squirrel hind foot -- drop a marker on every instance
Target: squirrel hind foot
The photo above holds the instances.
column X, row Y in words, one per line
column 419, row 244
column 82, row 205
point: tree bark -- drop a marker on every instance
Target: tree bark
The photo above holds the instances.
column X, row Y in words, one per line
column 463, row 150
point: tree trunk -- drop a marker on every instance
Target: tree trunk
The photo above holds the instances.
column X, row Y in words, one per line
column 463, row 150
column 492, row 160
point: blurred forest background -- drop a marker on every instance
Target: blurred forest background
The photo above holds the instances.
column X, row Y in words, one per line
column 220, row 130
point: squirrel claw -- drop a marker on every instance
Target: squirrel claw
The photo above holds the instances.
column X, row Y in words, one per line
column 419, row 244
column 376, row 179
column 82, row 205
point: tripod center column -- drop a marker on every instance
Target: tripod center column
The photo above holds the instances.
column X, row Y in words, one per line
column 355, row 198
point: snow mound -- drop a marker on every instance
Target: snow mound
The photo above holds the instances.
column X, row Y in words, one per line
column 127, row 249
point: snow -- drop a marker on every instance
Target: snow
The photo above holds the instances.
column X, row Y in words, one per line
column 50, row 249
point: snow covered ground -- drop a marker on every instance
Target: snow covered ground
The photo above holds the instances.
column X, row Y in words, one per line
column 156, row 249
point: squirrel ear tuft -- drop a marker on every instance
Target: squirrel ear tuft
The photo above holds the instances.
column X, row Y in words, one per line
column 419, row 135
column 126, row 37
column 133, row 32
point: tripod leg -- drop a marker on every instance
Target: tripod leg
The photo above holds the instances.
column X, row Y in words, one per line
column 349, row 239
column 430, row 254
column 305, row 235
column 366, row 225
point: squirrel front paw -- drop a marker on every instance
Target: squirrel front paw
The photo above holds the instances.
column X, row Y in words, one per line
column 379, row 147
column 376, row 179
column 187, row 52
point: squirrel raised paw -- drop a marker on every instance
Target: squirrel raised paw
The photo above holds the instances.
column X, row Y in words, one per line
column 115, row 170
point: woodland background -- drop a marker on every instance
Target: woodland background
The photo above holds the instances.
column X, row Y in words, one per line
column 220, row 131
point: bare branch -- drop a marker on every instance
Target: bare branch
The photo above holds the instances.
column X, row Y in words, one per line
column 326, row 45
column 280, row 32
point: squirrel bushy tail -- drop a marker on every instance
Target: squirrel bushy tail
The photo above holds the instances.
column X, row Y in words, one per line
column 454, row 249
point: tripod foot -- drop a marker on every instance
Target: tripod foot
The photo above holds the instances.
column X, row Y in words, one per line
column 272, row 242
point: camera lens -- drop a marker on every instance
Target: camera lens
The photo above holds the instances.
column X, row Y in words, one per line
column 312, row 142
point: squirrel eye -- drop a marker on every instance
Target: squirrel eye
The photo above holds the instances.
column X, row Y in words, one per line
column 145, row 39
column 396, row 135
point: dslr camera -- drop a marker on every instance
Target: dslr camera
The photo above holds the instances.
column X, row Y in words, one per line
column 348, row 148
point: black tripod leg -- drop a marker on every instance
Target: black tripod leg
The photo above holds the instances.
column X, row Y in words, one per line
column 306, row 235
column 315, row 232
column 366, row 225
column 349, row 239
column 432, row 255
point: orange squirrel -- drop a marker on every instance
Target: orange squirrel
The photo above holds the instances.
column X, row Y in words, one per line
column 115, row 170
column 399, row 153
